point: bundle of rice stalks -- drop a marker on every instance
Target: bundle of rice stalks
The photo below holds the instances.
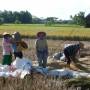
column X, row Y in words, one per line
column 38, row 81
column 83, row 83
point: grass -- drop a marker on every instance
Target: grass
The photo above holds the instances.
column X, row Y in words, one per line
column 55, row 30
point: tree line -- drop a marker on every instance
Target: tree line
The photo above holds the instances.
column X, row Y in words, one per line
column 78, row 19
column 25, row 17
column 15, row 17
column 81, row 19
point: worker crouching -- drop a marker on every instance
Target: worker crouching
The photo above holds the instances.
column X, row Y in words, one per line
column 71, row 52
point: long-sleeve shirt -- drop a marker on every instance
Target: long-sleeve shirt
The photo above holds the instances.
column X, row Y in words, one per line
column 7, row 47
column 72, row 49
column 41, row 45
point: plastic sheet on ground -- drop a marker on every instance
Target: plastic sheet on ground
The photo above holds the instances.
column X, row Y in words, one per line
column 22, row 67
column 68, row 73
column 41, row 70
column 23, row 63
column 19, row 68
column 81, row 74
column 59, row 56
column 61, row 73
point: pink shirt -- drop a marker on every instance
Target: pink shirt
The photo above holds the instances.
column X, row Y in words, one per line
column 7, row 47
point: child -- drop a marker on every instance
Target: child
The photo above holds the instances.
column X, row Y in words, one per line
column 16, row 39
column 7, row 49
column 71, row 51
column 42, row 49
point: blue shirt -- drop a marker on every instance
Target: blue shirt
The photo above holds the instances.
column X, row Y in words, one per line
column 14, row 46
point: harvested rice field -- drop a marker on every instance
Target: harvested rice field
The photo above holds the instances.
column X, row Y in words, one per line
column 37, row 81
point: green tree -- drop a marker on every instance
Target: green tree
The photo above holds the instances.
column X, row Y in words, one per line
column 79, row 18
column 1, row 21
column 50, row 20
column 12, row 17
column 87, row 21
column 17, row 22
column 25, row 17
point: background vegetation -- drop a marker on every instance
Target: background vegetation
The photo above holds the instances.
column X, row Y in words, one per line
column 28, row 26
column 56, row 31
column 25, row 17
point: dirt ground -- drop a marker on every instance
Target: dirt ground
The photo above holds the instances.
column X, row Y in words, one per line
column 56, row 46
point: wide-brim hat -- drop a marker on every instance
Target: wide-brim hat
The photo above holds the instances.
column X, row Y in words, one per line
column 41, row 33
column 5, row 33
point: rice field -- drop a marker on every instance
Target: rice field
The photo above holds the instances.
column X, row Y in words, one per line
column 55, row 30
column 37, row 81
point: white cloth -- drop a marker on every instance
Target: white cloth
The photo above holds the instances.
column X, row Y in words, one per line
column 68, row 73
column 19, row 68
column 59, row 56
column 23, row 63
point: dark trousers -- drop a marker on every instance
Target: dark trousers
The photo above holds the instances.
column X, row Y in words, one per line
column 67, row 57
column 42, row 58
column 7, row 60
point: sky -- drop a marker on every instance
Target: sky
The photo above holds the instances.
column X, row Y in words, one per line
column 61, row 9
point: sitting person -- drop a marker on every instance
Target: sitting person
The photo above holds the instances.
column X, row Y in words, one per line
column 71, row 51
